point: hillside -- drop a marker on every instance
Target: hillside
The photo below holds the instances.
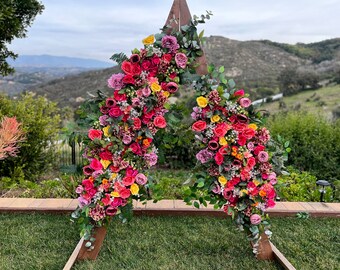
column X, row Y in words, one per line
column 254, row 65
column 321, row 101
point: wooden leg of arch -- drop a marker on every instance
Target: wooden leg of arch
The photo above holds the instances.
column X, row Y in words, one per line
column 99, row 234
column 265, row 249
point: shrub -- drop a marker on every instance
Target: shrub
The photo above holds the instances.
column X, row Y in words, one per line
column 41, row 124
column 315, row 142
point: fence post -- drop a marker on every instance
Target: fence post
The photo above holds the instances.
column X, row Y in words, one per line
column 73, row 152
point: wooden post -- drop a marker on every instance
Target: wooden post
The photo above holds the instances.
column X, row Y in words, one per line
column 180, row 11
column 265, row 251
column 99, row 234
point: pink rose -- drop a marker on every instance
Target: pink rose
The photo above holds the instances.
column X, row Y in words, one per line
column 146, row 92
column 167, row 58
column 137, row 123
column 199, row 126
column 181, row 60
column 141, row 179
column 127, row 139
column 128, row 180
column 263, row 156
column 116, row 202
column 95, row 134
column 251, row 162
column 124, row 193
column 96, row 165
column 255, row 219
column 272, row 178
column 171, row 87
column 245, row 102
column 219, row 158
column 87, row 184
column 116, row 81
column 159, row 122
column 221, row 129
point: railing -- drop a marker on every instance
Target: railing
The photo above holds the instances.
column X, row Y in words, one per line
column 69, row 153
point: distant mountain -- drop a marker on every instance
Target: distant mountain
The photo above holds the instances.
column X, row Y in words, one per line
column 51, row 61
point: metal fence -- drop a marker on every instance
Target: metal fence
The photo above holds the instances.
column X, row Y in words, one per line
column 69, row 153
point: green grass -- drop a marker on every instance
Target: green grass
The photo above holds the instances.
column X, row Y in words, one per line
column 323, row 100
column 35, row 241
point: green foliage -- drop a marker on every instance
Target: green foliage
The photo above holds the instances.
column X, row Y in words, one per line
column 15, row 17
column 176, row 143
column 119, row 58
column 314, row 142
column 41, row 122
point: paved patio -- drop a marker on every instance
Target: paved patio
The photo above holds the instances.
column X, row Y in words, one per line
column 166, row 207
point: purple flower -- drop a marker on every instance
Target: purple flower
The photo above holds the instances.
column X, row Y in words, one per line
column 141, row 179
column 151, row 159
column 204, row 156
column 79, row 189
column 181, row 60
column 170, row 42
column 102, row 120
column 216, row 189
column 116, row 81
column 263, row 156
column 82, row 202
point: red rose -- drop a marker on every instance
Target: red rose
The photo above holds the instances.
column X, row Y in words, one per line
column 199, row 126
column 173, row 75
column 106, row 200
column 248, row 133
column 96, row 165
column 239, row 127
column 146, row 64
column 136, row 70
column 219, row 158
column 128, row 180
column 241, row 140
column 167, row 58
column 87, row 184
column 239, row 93
column 221, row 129
column 258, row 149
column 106, row 155
column 95, row 134
column 125, row 193
column 119, row 97
column 159, row 121
column 251, row 162
column 137, row 123
column 128, row 79
column 116, row 202
column 127, row 67
column 136, row 149
column 115, row 112
column 155, row 60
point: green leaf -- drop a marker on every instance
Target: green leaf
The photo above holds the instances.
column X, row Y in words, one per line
column 286, row 144
column 200, row 184
column 196, row 204
column 221, row 69
column 288, row 150
column 231, row 83
column 201, row 34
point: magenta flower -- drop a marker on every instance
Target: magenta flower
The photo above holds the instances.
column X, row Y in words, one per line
column 263, row 156
column 116, row 81
column 181, row 60
column 204, row 156
column 151, row 159
column 141, row 179
column 170, row 42
column 245, row 102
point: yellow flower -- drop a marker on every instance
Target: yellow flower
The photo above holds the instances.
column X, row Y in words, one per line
column 106, row 131
column 113, row 176
column 222, row 180
column 105, row 163
column 253, row 126
column 222, row 141
column 149, row 40
column 156, row 87
column 215, row 118
column 244, row 192
column 134, row 189
column 202, row 102
column 115, row 194
column 166, row 94
column 256, row 182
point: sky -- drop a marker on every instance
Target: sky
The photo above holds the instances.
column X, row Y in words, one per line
column 99, row 28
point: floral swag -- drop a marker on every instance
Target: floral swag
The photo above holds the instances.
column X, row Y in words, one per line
column 237, row 170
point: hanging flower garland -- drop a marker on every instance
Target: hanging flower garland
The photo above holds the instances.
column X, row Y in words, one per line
column 119, row 147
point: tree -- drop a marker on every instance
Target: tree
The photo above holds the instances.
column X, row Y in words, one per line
column 15, row 17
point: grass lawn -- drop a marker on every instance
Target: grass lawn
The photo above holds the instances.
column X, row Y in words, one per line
column 36, row 241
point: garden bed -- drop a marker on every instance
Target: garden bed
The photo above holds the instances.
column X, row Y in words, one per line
column 37, row 241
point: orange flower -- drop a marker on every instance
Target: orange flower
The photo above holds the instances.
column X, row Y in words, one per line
column 239, row 156
column 146, row 142
column 105, row 181
column 262, row 193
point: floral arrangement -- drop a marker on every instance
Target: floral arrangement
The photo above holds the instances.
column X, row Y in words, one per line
column 238, row 175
